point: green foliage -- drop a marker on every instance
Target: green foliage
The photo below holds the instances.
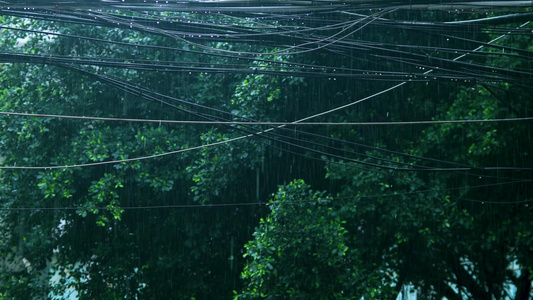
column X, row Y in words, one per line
column 174, row 226
column 300, row 250
column 215, row 170
column 267, row 97
column 257, row 95
column 419, row 223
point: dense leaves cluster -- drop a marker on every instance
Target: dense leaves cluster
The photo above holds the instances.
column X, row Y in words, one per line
column 301, row 257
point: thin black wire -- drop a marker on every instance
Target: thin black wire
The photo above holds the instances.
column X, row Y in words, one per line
column 304, row 148
column 336, row 156
column 248, row 130
column 373, row 75
column 7, row 57
column 270, row 124
column 252, row 132
column 265, row 63
column 321, row 200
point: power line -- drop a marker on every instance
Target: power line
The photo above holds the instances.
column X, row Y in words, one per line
column 340, row 46
column 134, row 90
column 188, row 122
column 214, row 205
column 258, row 134
column 127, row 159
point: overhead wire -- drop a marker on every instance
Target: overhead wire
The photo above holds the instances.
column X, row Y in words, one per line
column 212, row 68
column 328, row 111
column 283, row 124
column 170, row 66
column 250, row 134
column 368, row 75
column 131, row 89
column 272, row 202
column 270, row 123
column 277, row 52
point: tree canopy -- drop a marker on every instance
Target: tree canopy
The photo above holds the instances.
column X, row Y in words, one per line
column 265, row 149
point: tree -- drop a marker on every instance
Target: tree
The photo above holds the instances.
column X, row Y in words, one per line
column 422, row 204
column 87, row 221
column 300, row 252
column 463, row 227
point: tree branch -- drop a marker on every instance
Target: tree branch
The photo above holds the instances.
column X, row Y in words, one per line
column 468, row 281
column 523, row 285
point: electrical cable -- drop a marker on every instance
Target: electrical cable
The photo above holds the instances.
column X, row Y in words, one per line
column 121, row 85
column 216, row 205
column 304, row 123
column 382, row 49
column 196, row 122
column 339, row 108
